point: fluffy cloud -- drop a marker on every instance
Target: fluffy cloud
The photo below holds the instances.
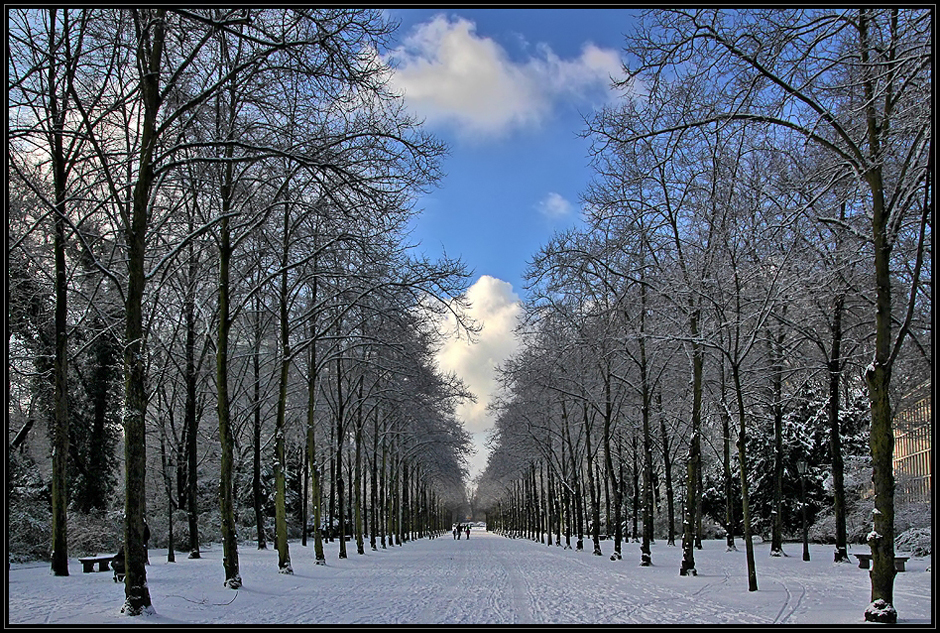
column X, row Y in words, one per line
column 496, row 307
column 449, row 74
column 554, row 206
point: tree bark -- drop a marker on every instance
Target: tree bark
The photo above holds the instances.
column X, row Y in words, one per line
column 280, row 458
column 609, row 467
column 383, row 493
column 693, row 467
column 374, row 482
column 257, row 493
column 726, row 467
column 595, row 502
column 357, row 475
column 576, row 480
column 316, row 495
column 60, row 426
column 151, row 30
column 776, row 352
column 645, row 549
column 227, row 460
column 742, row 462
column 878, row 373
column 191, row 420
column 340, row 491
column 670, row 492
column 835, row 432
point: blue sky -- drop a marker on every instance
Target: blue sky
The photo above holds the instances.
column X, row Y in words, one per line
column 513, row 150
column 507, row 90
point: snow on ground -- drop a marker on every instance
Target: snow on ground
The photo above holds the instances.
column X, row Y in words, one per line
column 487, row 579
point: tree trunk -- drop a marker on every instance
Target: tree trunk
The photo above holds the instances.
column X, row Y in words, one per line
column 170, row 545
column 168, row 488
column 357, row 475
column 332, row 481
column 280, row 458
column 595, row 502
column 405, row 507
column 835, row 433
column 776, row 351
column 670, row 493
column 645, row 549
column 191, row 421
column 60, row 430
column 726, row 466
column 316, row 496
column 742, row 462
column 257, row 496
column 878, row 377
column 340, row 412
column 393, row 503
column 700, row 488
column 383, row 493
column 227, row 465
column 612, row 477
column 607, row 518
column 374, row 482
column 151, row 31
column 575, row 472
column 635, row 475
column 545, row 509
column 555, row 519
column 878, row 373
column 693, row 466
column 565, row 496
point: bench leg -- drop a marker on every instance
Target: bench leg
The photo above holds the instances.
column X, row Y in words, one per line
column 88, row 567
column 103, row 565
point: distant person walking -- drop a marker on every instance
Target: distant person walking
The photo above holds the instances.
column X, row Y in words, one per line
column 468, row 532
column 455, row 532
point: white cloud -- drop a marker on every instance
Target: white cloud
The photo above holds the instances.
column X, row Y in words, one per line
column 554, row 206
column 497, row 307
column 450, row 74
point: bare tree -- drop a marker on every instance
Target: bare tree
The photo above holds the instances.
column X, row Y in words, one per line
column 46, row 51
column 853, row 83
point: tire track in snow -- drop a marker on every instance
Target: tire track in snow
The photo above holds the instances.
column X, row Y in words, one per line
column 778, row 619
column 521, row 593
column 785, row 602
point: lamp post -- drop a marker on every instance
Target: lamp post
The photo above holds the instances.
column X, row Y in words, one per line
column 801, row 469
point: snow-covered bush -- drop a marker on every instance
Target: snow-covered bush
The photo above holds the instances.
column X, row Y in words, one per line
column 29, row 510
column 857, row 523
column 32, row 538
column 859, row 505
column 160, row 529
column 912, row 515
column 210, row 529
column 95, row 532
column 917, row 541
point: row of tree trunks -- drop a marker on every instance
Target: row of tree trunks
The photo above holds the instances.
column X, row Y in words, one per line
column 545, row 500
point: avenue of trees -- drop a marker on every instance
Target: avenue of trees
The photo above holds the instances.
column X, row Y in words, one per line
column 750, row 289
column 208, row 268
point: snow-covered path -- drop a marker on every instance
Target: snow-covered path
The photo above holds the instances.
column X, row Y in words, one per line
column 488, row 579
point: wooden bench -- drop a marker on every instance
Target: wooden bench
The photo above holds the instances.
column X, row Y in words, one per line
column 864, row 561
column 88, row 562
